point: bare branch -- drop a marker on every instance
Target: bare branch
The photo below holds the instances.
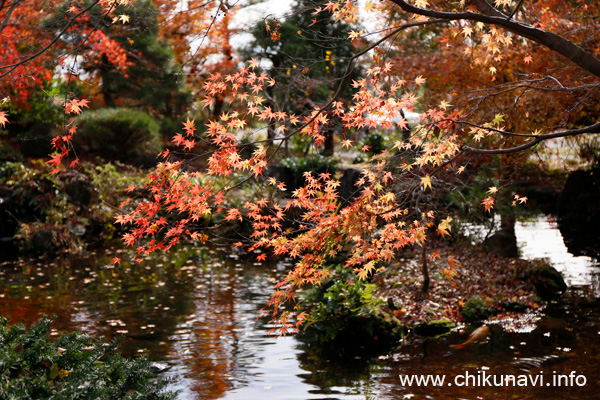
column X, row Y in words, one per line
column 12, row 67
column 512, row 14
column 595, row 129
column 8, row 14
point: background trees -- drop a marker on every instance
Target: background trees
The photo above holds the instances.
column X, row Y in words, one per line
column 122, row 51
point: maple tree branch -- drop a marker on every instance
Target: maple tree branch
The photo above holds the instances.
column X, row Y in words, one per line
column 347, row 73
column 12, row 67
column 490, row 15
column 512, row 14
column 530, row 84
column 8, row 13
column 594, row 129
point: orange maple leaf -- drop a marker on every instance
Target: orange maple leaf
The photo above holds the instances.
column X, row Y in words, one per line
column 488, row 203
column 453, row 262
column 3, row 119
column 75, row 106
column 189, row 127
column 178, row 139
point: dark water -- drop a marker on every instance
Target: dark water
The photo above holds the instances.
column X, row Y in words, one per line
column 196, row 310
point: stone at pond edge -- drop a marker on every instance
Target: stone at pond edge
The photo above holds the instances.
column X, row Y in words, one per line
column 42, row 242
column 371, row 332
column 548, row 282
column 476, row 309
column 79, row 188
column 434, row 328
column 502, row 243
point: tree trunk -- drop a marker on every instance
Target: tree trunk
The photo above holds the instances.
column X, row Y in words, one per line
column 425, row 270
column 109, row 101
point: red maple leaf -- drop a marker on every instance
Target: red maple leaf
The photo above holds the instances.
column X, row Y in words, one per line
column 55, row 159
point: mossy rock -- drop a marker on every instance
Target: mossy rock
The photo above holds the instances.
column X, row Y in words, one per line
column 476, row 309
column 548, row 282
column 515, row 306
column 375, row 331
column 343, row 314
column 434, row 328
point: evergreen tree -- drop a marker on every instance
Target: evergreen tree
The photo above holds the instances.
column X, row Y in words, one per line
column 308, row 56
column 123, row 51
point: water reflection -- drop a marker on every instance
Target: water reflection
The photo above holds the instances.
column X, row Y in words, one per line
column 541, row 238
column 195, row 310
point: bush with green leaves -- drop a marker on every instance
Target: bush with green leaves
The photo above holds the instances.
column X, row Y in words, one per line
column 118, row 134
column 74, row 366
column 315, row 163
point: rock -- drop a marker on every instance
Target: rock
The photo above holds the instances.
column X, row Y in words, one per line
column 79, row 189
column 9, row 248
column 158, row 367
column 548, row 282
column 580, row 197
column 42, row 242
column 502, row 243
column 476, row 309
column 434, row 328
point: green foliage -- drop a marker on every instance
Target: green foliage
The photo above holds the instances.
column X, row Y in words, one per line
column 8, row 153
column 111, row 180
column 61, row 212
column 343, row 309
column 39, row 108
column 118, row 134
column 32, row 189
column 314, row 163
column 74, row 366
column 376, row 142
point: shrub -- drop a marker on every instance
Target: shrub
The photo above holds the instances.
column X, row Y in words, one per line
column 75, row 366
column 291, row 170
column 314, row 163
column 118, row 134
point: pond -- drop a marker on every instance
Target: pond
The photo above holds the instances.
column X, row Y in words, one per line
column 195, row 310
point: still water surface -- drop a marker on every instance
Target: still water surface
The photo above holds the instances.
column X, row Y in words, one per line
column 196, row 310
